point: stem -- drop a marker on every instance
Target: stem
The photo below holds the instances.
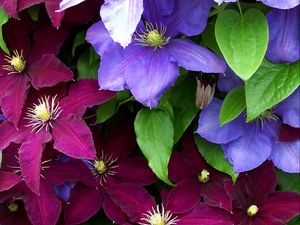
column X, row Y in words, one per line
column 90, row 116
column 240, row 9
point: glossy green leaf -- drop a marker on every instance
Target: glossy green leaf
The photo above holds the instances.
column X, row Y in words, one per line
column 271, row 84
column 3, row 20
column 210, row 38
column 288, row 181
column 242, row 40
column 87, row 64
column 79, row 40
column 34, row 12
column 155, row 132
column 214, row 156
column 233, row 104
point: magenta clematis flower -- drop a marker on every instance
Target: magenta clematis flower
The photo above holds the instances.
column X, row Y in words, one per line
column 256, row 202
column 141, row 208
column 33, row 63
column 46, row 116
column 289, row 133
column 113, row 166
column 191, row 172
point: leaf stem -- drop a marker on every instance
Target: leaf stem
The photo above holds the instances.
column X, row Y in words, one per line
column 240, row 9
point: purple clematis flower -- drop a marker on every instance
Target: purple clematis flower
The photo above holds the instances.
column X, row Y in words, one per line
column 192, row 173
column 48, row 116
column 113, row 166
column 284, row 35
column 279, row 4
column 248, row 145
column 34, row 63
column 149, row 65
column 141, row 208
column 256, row 202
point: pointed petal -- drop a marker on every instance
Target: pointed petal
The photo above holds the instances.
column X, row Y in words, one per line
column 120, row 18
column 55, row 17
column 133, row 199
column 65, row 4
column 229, row 81
column 286, row 156
column 43, row 209
column 150, row 75
column 24, row 4
column 83, row 94
column 178, row 170
column 72, row 137
column 8, row 180
column 209, row 125
column 48, row 71
column 288, row 133
column 194, row 57
column 84, row 203
column 288, row 4
column 30, row 156
column 248, row 151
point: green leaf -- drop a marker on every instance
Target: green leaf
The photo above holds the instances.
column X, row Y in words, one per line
column 271, row 84
column 3, row 20
column 79, row 40
column 155, row 132
column 214, row 156
column 295, row 221
column 288, row 181
column 34, row 12
column 242, row 40
column 183, row 101
column 233, row 104
column 87, row 64
column 210, row 38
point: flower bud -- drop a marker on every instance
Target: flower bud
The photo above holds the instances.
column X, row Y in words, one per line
column 205, row 91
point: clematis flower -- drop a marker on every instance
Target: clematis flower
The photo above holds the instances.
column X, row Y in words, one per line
column 113, row 166
column 288, row 133
column 48, row 115
column 29, row 63
column 139, row 67
column 288, row 4
column 192, row 173
column 247, row 146
column 255, row 200
column 284, row 35
column 141, row 208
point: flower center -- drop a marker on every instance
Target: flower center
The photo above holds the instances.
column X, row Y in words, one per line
column 152, row 36
column 16, row 63
column 267, row 115
column 203, row 177
column 100, row 166
column 13, row 207
column 252, row 210
column 158, row 217
column 43, row 114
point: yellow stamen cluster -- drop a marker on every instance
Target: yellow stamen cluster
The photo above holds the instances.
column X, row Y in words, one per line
column 158, row 217
column 203, row 177
column 252, row 210
column 13, row 207
column 16, row 63
column 100, row 166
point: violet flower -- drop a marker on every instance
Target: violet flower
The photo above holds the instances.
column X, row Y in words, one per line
column 29, row 63
column 255, row 200
column 47, row 116
column 149, row 65
column 246, row 146
column 192, row 173
column 279, row 4
column 113, row 166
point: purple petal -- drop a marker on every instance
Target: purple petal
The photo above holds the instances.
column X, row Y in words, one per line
column 250, row 150
column 229, row 81
column 209, row 125
column 150, row 75
column 156, row 10
column 284, row 35
column 289, row 109
column 221, row 1
column 64, row 190
column 73, row 138
column 48, row 71
column 84, row 203
column 30, row 154
column 43, row 209
column 120, row 18
column 65, row 4
column 286, row 156
column 194, row 57
column 83, row 94
column 8, row 180
column 287, row 4
column 189, row 17
column 99, row 37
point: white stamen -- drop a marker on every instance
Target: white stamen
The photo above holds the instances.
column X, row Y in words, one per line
column 158, row 217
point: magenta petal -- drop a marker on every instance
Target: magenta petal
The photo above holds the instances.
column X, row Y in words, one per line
column 24, row 4
column 282, row 205
column 8, row 180
column 84, row 203
column 84, row 93
column 55, row 17
column 72, row 137
column 177, row 168
column 30, row 155
column 135, row 170
column 133, row 199
column 180, row 200
column 205, row 215
column 10, row 6
column 43, row 209
column 48, row 71
column 14, row 97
